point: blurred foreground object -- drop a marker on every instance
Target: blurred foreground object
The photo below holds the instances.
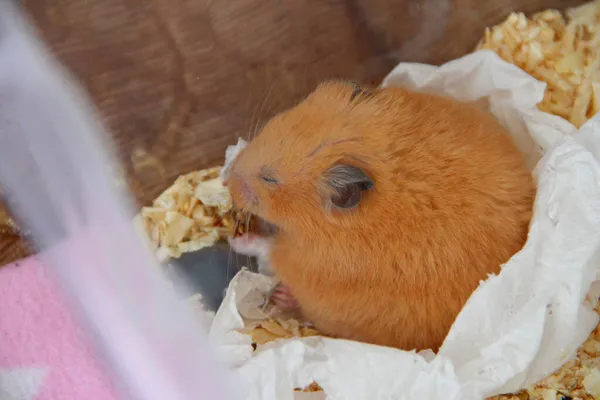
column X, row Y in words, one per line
column 57, row 172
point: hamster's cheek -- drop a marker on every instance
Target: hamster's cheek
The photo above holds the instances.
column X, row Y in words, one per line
column 243, row 245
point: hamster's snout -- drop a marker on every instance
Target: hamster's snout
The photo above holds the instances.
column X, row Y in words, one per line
column 241, row 192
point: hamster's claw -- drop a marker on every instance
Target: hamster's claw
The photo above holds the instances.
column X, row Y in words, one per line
column 267, row 300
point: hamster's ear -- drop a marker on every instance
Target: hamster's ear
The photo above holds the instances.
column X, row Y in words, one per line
column 359, row 91
column 346, row 185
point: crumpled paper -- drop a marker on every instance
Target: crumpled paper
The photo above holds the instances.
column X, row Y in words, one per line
column 230, row 154
column 517, row 327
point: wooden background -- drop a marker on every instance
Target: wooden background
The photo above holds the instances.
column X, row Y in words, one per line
column 177, row 81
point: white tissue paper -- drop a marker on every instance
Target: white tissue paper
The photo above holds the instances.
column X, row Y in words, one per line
column 517, row 327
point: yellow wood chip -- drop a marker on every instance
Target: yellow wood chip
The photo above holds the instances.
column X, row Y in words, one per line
column 276, row 329
column 564, row 53
column 308, row 331
column 582, row 103
column 193, row 213
column 313, row 387
column 262, row 336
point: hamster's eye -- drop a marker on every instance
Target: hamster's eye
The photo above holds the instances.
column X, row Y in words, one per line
column 348, row 184
column 267, row 177
column 348, row 197
column 359, row 91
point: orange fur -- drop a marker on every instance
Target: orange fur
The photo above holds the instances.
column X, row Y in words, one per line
column 451, row 202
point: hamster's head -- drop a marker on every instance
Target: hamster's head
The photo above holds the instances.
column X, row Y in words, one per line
column 316, row 163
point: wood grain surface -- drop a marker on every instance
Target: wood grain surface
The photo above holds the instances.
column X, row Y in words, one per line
column 176, row 81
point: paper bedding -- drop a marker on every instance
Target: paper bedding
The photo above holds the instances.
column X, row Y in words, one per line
column 517, row 327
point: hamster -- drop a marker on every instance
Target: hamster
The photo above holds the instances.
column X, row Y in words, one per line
column 390, row 206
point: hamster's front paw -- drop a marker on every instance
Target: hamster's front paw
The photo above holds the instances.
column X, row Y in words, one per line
column 283, row 299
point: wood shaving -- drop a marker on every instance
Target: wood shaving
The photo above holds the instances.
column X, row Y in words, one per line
column 578, row 379
column 195, row 212
column 313, row 387
column 273, row 329
column 561, row 50
column 13, row 240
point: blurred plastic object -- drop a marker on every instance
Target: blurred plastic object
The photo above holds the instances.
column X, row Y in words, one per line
column 56, row 172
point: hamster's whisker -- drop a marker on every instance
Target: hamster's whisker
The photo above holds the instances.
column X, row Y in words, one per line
column 236, row 226
column 251, row 123
column 228, row 263
column 260, row 112
column 253, row 105
column 248, row 230
column 229, row 213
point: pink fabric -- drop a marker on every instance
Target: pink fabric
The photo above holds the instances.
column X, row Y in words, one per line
column 39, row 333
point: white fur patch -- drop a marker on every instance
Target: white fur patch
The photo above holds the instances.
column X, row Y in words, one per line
column 254, row 246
